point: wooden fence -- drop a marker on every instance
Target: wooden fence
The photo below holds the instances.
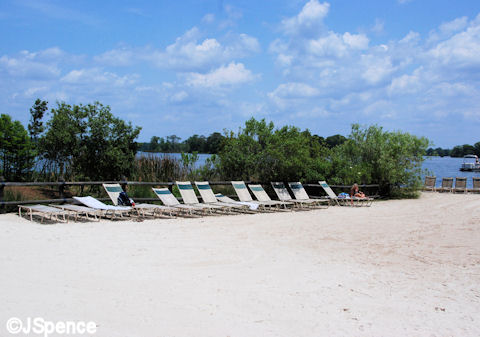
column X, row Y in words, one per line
column 312, row 189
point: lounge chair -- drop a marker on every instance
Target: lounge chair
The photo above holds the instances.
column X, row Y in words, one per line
column 430, row 183
column 348, row 200
column 114, row 190
column 244, row 196
column 208, row 197
column 223, row 198
column 261, row 195
column 330, row 194
column 476, row 185
column 447, row 185
column 113, row 211
column 460, row 185
column 79, row 210
column 169, row 199
column 190, row 198
column 44, row 212
column 283, row 195
column 301, row 195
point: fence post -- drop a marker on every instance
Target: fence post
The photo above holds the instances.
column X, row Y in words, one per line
column 61, row 187
column 124, row 183
column 2, row 186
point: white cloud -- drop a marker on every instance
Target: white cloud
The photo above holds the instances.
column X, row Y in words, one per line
column 208, row 18
column 42, row 65
column 230, row 75
column 356, row 41
column 117, row 57
column 179, row 97
column 97, row 76
column 459, row 51
column 190, row 52
column 294, row 90
column 308, row 21
column 412, row 78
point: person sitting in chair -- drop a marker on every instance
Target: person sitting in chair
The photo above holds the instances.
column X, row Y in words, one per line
column 354, row 192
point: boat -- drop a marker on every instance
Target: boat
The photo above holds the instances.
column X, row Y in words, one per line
column 470, row 163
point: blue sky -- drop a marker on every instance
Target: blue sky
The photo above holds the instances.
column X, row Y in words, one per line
column 195, row 67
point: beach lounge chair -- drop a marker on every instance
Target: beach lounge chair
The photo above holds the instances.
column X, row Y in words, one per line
column 447, row 185
column 169, row 199
column 79, row 210
column 346, row 201
column 460, row 185
column 244, row 196
column 223, row 198
column 114, row 190
column 45, row 212
column 113, row 211
column 208, row 197
column 301, row 195
column 476, row 185
column 430, row 183
column 190, row 198
column 330, row 194
column 283, row 195
column 261, row 195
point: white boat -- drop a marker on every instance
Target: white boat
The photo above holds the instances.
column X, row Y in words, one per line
column 470, row 163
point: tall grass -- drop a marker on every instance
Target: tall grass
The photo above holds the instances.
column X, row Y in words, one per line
column 153, row 168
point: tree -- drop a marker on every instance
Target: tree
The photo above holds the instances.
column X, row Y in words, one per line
column 335, row 140
column 477, row 148
column 457, row 151
column 391, row 159
column 214, row 143
column 37, row 111
column 90, row 141
column 468, row 149
column 195, row 143
column 16, row 150
column 261, row 152
column 61, row 142
column 107, row 150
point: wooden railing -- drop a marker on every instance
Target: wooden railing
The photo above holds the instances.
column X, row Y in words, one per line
column 312, row 189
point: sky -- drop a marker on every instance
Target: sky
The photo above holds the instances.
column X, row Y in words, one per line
column 202, row 66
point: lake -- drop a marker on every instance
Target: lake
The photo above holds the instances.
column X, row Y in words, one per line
column 438, row 166
column 447, row 167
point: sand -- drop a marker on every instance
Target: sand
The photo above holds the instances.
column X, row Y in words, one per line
column 398, row 268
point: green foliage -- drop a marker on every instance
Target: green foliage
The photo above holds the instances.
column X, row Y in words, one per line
column 369, row 155
column 154, row 168
column 335, row 140
column 457, row 151
column 36, row 127
column 188, row 161
column 195, row 143
column 259, row 152
column 16, row 150
column 391, row 159
column 90, row 141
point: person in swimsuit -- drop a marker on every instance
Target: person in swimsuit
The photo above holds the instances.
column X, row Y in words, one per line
column 355, row 192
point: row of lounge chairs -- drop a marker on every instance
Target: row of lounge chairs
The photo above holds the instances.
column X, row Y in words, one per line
column 448, row 185
column 91, row 208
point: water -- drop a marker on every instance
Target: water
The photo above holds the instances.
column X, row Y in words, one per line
column 202, row 157
column 443, row 167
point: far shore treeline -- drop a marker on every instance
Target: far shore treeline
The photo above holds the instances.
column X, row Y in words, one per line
column 458, row 151
column 88, row 143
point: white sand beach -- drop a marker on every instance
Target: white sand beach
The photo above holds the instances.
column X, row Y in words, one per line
column 398, row 268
